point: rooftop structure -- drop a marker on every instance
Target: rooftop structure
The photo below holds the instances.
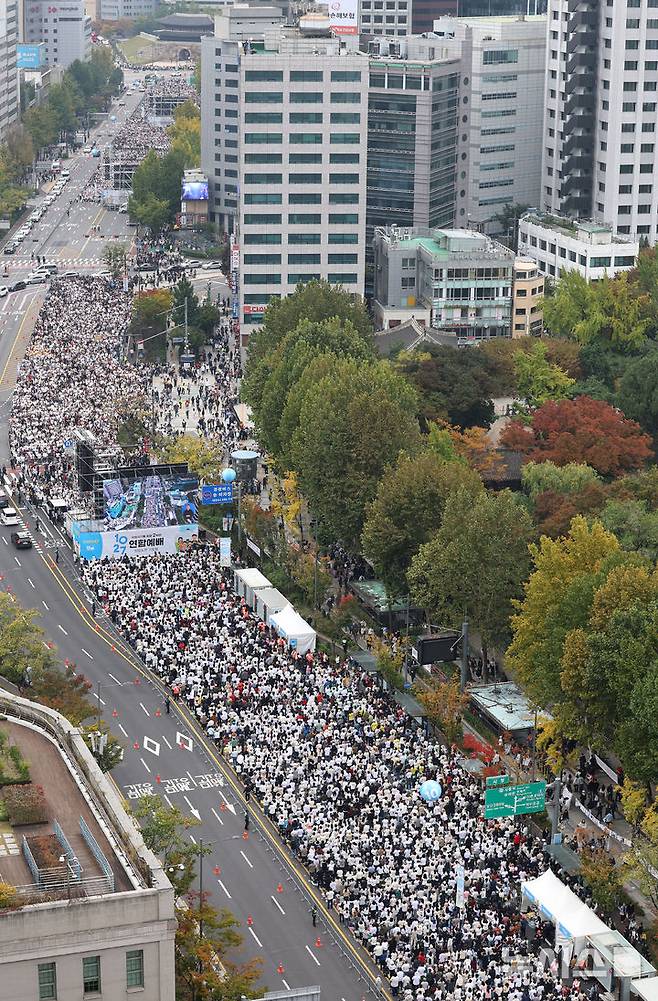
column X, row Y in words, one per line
column 92, row 910
column 558, row 245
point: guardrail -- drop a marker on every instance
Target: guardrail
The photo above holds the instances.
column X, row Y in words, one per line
column 72, row 861
column 97, row 853
column 31, row 864
column 90, row 886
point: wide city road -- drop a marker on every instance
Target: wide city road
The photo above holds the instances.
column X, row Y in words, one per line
column 254, row 876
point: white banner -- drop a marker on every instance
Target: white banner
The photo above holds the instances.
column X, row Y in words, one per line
column 343, row 17
column 225, row 551
column 133, row 541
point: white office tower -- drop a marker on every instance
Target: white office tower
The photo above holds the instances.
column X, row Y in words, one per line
column 501, row 103
column 600, row 121
column 9, row 101
column 64, row 28
column 284, row 123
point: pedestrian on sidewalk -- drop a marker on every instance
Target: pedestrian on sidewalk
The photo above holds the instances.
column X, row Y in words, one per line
column 167, row 704
column 247, row 820
column 314, row 915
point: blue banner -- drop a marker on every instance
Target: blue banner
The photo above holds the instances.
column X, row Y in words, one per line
column 217, row 493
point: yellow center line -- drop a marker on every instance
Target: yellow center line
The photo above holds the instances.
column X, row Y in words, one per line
column 270, row 831
column 94, row 221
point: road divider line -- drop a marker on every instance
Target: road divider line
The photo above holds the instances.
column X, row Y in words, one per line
column 167, row 742
column 224, row 889
column 87, row 653
column 45, row 605
column 97, row 696
column 62, row 629
column 116, row 680
column 144, row 708
column 255, row 936
column 145, row 765
column 286, row 984
column 123, row 730
column 217, row 816
column 312, row 955
column 31, row 582
column 247, row 860
column 275, row 901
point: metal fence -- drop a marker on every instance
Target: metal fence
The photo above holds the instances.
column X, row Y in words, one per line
column 98, row 854
column 72, row 861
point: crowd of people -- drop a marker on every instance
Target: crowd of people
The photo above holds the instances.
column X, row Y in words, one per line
column 71, row 378
column 337, row 766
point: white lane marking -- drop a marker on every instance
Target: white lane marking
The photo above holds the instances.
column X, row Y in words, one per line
column 124, row 732
column 17, row 560
column 277, row 903
column 288, row 987
column 258, row 941
column 192, row 838
column 62, row 629
column 144, row 708
column 184, row 741
column 97, row 696
column 193, row 809
column 114, row 679
column 87, row 653
column 30, row 582
column 217, row 815
column 229, row 806
column 145, row 765
column 151, row 745
column 169, row 803
column 248, row 861
column 224, row 889
column 166, row 742
column 5, row 541
column 312, row 955
column 45, row 605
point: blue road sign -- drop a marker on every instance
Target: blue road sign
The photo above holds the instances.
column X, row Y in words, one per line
column 217, row 493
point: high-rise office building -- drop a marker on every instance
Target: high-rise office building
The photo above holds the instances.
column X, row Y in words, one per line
column 500, row 114
column 64, row 28
column 599, row 155
column 9, row 100
column 289, row 117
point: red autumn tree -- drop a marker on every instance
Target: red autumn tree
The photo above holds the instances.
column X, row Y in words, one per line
column 581, row 430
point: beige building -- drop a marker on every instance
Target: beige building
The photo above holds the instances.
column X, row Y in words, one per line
column 93, row 914
column 527, row 293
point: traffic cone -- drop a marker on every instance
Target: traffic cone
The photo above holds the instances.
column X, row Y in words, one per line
column 223, row 807
column 115, row 713
column 158, row 779
column 136, row 681
column 158, row 713
column 114, row 649
column 136, row 746
column 245, row 836
column 217, row 870
column 279, row 888
column 250, row 920
column 280, row 968
column 318, row 943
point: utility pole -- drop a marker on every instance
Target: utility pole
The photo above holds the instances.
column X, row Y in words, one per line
column 463, row 677
column 200, row 878
column 98, row 706
column 555, row 811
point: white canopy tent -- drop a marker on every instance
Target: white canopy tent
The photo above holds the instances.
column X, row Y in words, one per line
column 247, row 581
column 647, row 988
column 572, row 918
column 294, row 629
column 269, row 601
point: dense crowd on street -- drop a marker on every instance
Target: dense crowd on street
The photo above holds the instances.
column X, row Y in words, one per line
column 337, row 766
column 137, row 137
column 71, row 378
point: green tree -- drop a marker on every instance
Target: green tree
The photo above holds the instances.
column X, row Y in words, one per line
column 185, row 133
column 610, row 311
column 558, row 598
column 407, row 510
column 638, row 392
column 22, row 642
column 164, row 829
column 115, row 258
column 537, row 477
column 148, row 320
column 507, row 220
column 205, row 457
column 96, row 736
column 536, row 379
column 452, row 385
column 65, row 691
column 204, row 937
column 635, row 526
column 353, row 423
column 445, row 706
column 313, row 301
column 475, row 564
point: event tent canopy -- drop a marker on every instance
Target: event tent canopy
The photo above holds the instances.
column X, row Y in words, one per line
column 559, row 904
column 294, row 629
column 646, row 988
column 269, row 601
column 247, row 581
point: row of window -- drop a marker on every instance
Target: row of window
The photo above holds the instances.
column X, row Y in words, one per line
column 259, row 259
column 302, row 76
column 91, row 975
column 300, row 219
column 301, row 158
column 294, row 178
column 305, row 238
column 301, row 198
column 312, row 119
column 301, row 97
column 294, row 278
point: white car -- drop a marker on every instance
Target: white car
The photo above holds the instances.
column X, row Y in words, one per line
column 65, row 174
column 87, row 149
column 37, row 277
column 3, row 291
column 9, row 516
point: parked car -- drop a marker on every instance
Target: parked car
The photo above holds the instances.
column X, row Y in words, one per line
column 37, row 277
column 21, row 540
column 18, row 286
column 3, row 291
column 4, row 500
column 9, row 516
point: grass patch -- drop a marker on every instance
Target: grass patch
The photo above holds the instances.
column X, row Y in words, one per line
column 136, row 49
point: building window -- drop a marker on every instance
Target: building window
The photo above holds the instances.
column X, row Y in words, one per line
column 492, row 56
column 342, row 259
column 345, row 118
column 306, row 76
column 305, row 117
column 346, row 279
column 306, row 138
column 344, row 138
column 47, row 982
column 273, row 76
column 599, row 262
column 343, row 218
column 299, row 279
column 263, row 97
column 262, row 259
column 306, row 97
column 135, row 968
column 346, row 76
column 348, row 97
column 304, row 219
column 91, row 975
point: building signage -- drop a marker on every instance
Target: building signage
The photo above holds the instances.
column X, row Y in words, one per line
column 343, row 17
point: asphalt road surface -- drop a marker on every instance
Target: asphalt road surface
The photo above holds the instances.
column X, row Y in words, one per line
column 167, row 754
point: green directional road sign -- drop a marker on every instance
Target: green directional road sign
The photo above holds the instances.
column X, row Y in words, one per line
column 509, row 801
column 498, row 780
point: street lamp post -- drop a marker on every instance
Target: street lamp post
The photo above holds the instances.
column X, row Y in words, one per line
column 229, row 475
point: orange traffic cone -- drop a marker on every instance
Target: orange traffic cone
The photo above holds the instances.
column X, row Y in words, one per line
column 158, row 779
column 115, row 713
column 245, row 836
column 279, row 888
column 250, row 920
column 217, row 870
column 280, row 968
column 318, row 943
column 136, row 746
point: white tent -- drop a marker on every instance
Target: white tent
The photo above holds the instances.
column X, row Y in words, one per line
column 572, row 918
column 294, row 629
column 269, row 601
column 246, row 582
column 646, row 988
